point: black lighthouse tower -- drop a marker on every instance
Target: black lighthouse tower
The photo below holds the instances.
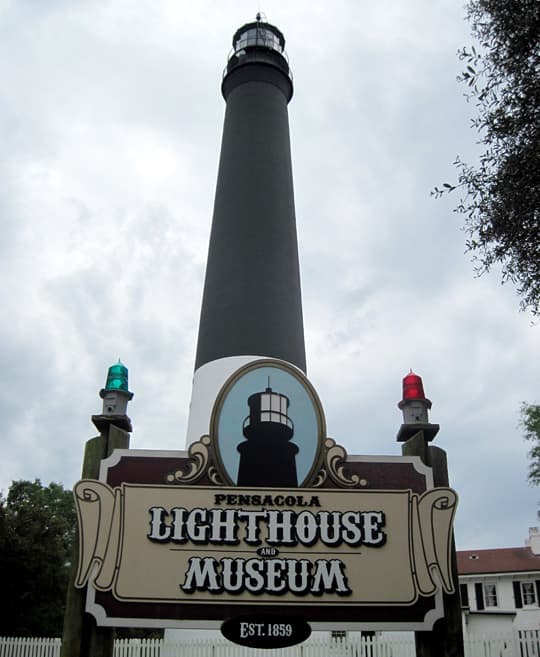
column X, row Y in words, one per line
column 251, row 303
column 252, row 307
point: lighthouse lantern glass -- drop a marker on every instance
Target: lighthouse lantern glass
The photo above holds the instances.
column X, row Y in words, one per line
column 117, row 377
column 258, row 36
column 273, row 408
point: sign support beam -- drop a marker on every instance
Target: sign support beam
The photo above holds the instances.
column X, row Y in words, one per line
column 446, row 638
column 81, row 636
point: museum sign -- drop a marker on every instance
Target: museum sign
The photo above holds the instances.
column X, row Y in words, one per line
column 175, row 539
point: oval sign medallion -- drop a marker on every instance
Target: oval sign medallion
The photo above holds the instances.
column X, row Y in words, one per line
column 266, row 631
column 268, row 427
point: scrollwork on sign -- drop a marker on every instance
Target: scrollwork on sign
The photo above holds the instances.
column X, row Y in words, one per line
column 334, row 460
column 214, row 476
column 199, row 456
column 320, row 478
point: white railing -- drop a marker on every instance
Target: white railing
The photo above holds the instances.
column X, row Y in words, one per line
column 139, row 648
column 324, row 647
column 30, row 647
column 529, row 643
column 517, row 644
column 504, row 645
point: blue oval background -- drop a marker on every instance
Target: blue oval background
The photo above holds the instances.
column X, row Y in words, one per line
column 301, row 411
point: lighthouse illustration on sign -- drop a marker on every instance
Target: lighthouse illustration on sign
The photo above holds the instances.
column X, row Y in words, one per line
column 267, row 457
column 267, row 427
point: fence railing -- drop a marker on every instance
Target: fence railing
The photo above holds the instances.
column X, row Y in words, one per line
column 366, row 647
column 529, row 643
column 11, row 647
column 522, row 643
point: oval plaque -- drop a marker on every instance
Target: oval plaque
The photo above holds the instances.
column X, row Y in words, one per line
column 268, row 427
column 266, row 631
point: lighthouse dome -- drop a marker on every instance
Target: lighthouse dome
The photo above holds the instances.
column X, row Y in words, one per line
column 117, row 377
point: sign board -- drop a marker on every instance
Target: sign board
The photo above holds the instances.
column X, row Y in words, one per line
column 175, row 539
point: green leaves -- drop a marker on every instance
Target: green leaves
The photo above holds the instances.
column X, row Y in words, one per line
column 530, row 423
column 500, row 197
column 37, row 530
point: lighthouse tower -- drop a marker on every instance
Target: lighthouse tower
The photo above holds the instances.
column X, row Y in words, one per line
column 251, row 305
column 267, row 458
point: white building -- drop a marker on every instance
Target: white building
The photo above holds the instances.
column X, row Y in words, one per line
column 500, row 588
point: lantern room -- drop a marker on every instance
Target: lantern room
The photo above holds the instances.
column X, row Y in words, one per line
column 258, row 43
column 268, row 410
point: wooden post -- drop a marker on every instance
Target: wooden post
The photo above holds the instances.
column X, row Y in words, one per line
column 81, row 636
column 446, row 637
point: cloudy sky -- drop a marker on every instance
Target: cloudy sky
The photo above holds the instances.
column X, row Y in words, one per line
column 110, row 127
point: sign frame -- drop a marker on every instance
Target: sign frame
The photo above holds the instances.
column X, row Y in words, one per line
column 103, row 618
column 327, row 469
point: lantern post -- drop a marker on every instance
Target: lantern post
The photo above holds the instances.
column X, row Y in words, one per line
column 81, row 636
column 416, row 432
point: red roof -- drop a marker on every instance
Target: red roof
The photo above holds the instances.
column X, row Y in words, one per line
column 501, row 560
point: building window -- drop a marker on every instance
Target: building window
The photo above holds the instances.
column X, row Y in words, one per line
column 528, row 594
column 464, row 595
column 490, row 595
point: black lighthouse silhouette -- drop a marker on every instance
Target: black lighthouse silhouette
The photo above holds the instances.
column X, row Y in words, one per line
column 267, row 458
column 252, row 306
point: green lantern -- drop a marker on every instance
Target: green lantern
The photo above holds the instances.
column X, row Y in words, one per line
column 117, row 378
column 116, row 393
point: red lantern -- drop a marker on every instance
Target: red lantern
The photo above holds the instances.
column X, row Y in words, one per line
column 413, row 387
